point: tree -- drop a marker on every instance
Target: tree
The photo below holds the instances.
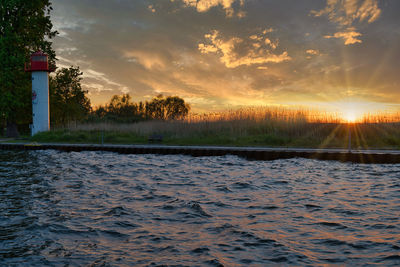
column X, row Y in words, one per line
column 119, row 109
column 25, row 27
column 122, row 109
column 121, row 106
column 167, row 108
column 155, row 108
column 175, row 108
column 68, row 101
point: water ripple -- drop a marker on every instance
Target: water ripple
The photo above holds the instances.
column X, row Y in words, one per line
column 106, row 209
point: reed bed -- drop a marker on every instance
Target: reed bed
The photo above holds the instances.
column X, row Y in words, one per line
column 235, row 122
column 272, row 126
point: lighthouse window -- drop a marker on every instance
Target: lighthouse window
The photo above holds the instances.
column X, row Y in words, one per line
column 40, row 58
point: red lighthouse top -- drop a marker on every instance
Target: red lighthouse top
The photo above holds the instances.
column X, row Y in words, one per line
column 39, row 62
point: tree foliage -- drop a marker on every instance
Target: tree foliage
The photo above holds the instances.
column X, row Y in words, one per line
column 68, row 101
column 167, row 108
column 122, row 109
column 25, row 27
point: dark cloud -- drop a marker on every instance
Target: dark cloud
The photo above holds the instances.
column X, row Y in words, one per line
column 146, row 47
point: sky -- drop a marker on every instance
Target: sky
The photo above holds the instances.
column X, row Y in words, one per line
column 224, row 54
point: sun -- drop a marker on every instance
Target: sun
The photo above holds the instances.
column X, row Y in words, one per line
column 359, row 111
column 350, row 116
column 356, row 111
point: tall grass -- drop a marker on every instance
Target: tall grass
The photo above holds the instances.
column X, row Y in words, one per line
column 272, row 126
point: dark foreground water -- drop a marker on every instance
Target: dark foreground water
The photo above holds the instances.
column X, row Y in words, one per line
column 106, row 209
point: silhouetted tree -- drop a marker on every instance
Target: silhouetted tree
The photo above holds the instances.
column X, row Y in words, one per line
column 100, row 112
column 122, row 109
column 68, row 101
column 155, row 109
column 167, row 108
column 121, row 106
column 175, row 108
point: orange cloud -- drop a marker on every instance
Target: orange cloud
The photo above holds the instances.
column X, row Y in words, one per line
column 349, row 36
column 205, row 5
column 236, row 52
column 312, row 52
column 345, row 13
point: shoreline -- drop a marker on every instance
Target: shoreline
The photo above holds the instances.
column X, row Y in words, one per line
column 250, row 153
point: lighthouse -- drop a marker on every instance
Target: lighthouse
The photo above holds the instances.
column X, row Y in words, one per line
column 39, row 67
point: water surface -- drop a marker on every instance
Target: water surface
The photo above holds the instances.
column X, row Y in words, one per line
column 106, row 209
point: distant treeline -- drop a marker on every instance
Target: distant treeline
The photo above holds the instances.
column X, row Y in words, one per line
column 122, row 109
column 69, row 103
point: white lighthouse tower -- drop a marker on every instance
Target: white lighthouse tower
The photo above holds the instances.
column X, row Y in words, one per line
column 40, row 92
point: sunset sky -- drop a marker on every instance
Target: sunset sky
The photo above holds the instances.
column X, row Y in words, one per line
column 223, row 54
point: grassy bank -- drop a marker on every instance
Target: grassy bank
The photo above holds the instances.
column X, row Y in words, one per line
column 234, row 133
column 274, row 127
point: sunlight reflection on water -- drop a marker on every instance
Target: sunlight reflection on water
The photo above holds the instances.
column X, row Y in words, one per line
column 121, row 210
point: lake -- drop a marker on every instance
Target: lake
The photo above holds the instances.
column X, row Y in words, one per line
column 107, row 209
